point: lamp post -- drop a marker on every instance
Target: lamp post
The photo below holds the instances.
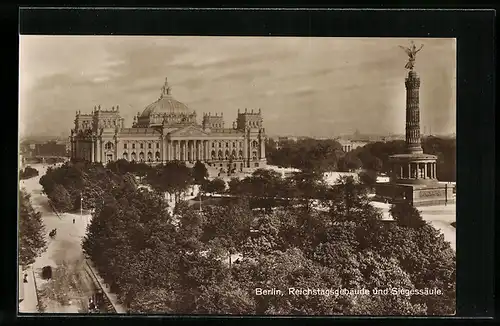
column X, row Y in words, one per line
column 199, row 194
column 81, row 206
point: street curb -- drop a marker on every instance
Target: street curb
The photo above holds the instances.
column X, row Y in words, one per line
column 100, row 285
column 37, row 295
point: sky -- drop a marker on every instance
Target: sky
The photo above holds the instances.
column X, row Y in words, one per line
column 317, row 87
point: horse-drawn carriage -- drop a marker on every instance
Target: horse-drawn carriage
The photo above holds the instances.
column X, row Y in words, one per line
column 53, row 233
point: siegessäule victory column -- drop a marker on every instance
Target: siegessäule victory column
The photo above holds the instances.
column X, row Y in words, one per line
column 413, row 173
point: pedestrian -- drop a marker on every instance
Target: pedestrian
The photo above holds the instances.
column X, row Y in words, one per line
column 73, row 220
column 25, row 280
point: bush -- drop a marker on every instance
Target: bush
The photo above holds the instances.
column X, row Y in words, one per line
column 47, row 272
column 28, row 173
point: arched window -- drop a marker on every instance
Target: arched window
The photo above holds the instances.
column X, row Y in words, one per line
column 227, row 144
column 240, row 154
column 133, row 146
column 157, row 156
column 226, row 154
column 254, row 144
column 254, row 155
column 125, row 156
column 233, row 154
column 150, row 156
column 213, row 155
column 133, row 157
column 141, row 156
column 108, row 145
column 220, row 154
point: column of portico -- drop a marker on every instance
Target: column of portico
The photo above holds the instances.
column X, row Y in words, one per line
column 209, row 145
column 162, row 149
column 426, row 171
column 168, row 150
column 99, row 149
column 92, row 151
column 184, row 150
column 204, row 148
column 193, row 150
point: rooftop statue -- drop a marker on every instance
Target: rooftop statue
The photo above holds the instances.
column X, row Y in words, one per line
column 412, row 53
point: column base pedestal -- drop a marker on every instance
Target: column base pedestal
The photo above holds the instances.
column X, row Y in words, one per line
column 418, row 194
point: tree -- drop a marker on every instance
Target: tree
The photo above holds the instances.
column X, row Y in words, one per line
column 173, row 178
column 28, row 173
column 31, row 231
column 200, row 172
column 285, row 270
column 60, row 199
column 234, row 186
column 216, row 185
column 376, row 164
column 406, row 215
column 350, row 162
column 368, row 177
column 307, row 186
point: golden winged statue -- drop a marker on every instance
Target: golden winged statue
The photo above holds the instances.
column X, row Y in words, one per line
column 412, row 53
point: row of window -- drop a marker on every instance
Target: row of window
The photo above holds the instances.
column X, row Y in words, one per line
column 141, row 146
column 109, row 145
column 220, row 156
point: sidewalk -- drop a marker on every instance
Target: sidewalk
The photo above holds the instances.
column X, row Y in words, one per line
column 30, row 302
column 112, row 297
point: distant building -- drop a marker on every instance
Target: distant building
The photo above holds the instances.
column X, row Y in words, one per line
column 349, row 145
column 282, row 140
column 51, row 148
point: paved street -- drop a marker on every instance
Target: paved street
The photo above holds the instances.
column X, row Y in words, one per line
column 70, row 287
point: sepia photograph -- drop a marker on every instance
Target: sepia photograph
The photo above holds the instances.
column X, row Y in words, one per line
column 256, row 176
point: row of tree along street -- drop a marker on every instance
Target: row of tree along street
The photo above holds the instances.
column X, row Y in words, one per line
column 327, row 155
column 157, row 262
column 31, row 229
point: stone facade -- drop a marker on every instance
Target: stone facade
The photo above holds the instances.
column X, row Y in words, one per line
column 167, row 130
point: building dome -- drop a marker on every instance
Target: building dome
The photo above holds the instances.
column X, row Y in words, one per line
column 166, row 104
